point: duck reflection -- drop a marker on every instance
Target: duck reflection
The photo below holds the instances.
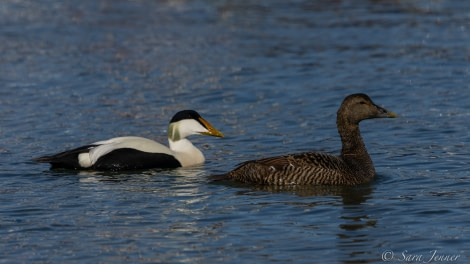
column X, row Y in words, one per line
column 182, row 174
column 355, row 242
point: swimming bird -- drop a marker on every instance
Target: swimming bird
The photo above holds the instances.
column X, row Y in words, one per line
column 137, row 153
column 352, row 167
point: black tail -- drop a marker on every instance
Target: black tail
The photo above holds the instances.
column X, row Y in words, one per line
column 44, row 159
column 67, row 159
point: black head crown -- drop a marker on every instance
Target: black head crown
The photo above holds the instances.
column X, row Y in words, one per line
column 185, row 114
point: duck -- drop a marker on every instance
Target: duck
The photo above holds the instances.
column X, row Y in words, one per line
column 351, row 168
column 138, row 153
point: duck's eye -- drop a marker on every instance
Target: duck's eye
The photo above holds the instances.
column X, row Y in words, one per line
column 362, row 102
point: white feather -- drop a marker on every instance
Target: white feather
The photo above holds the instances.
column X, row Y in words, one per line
column 184, row 128
column 106, row 146
column 84, row 160
column 181, row 148
column 186, row 153
column 188, row 127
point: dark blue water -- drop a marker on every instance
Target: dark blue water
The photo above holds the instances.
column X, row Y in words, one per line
column 270, row 75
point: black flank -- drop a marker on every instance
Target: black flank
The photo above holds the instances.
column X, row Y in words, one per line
column 132, row 159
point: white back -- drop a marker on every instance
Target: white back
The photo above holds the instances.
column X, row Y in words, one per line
column 106, row 146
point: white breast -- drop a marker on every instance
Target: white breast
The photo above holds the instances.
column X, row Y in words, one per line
column 186, row 153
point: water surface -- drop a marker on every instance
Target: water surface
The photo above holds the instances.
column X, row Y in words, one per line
column 271, row 76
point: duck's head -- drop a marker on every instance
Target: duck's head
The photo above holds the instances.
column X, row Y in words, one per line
column 357, row 107
column 188, row 122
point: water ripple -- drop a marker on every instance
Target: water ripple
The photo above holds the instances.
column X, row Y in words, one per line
column 271, row 76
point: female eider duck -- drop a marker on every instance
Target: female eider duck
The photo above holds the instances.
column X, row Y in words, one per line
column 352, row 167
column 137, row 153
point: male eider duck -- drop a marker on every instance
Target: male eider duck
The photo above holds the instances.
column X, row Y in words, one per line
column 352, row 167
column 137, row 153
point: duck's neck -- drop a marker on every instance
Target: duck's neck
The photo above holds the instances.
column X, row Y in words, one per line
column 185, row 152
column 352, row 141
column 354, row 151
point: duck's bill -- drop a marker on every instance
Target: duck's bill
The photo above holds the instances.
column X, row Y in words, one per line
column 391, row 114
column 211, row 131
column 382, row 112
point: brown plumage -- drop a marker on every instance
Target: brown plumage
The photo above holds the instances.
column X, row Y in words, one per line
column 352, row 167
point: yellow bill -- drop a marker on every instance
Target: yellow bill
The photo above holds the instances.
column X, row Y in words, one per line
column 211, row 130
